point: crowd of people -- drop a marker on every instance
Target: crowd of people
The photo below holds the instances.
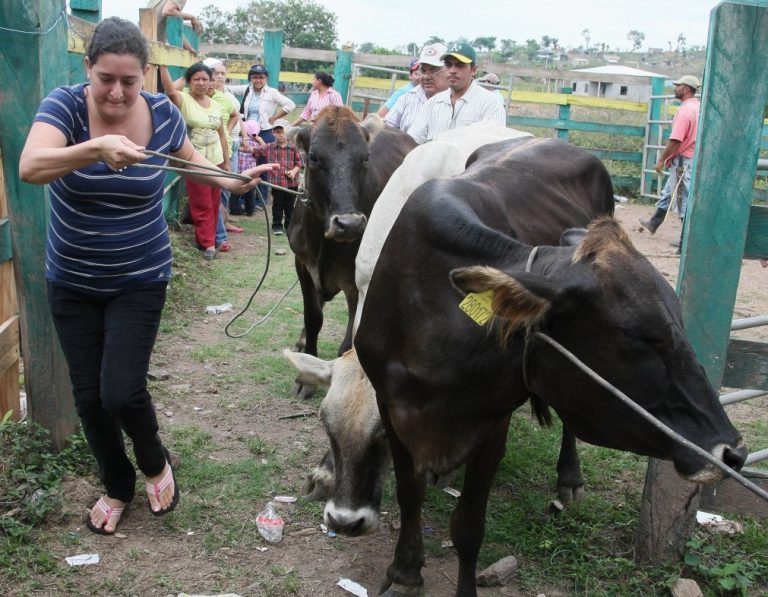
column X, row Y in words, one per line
column 101, row 147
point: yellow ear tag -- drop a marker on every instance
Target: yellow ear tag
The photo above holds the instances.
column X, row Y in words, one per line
column 477, row 306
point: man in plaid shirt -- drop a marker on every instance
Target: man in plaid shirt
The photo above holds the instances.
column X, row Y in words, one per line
column 283, row 153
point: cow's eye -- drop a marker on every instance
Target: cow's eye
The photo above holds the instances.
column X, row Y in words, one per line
column 313, row 160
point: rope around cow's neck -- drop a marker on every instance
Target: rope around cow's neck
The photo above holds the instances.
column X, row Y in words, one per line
column 645, row 414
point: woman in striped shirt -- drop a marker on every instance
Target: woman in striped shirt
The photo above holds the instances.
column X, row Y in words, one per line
column 322, row 95
column 108, row 255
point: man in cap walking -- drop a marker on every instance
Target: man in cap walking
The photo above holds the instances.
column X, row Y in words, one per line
column 678, row 153
column 463, row 103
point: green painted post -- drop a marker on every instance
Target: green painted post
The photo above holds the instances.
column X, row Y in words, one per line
column 88, row 10
column 342, row 73
column 273, row 52
column 564, row 115
column 31, row 65
column 657, row 88
column 724, row 167
column 714, row 236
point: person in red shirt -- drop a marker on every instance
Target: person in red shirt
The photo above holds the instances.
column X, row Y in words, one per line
column 287, row 175
column 678, row 153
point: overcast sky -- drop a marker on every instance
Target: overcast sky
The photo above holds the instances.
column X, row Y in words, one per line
column 398, row 22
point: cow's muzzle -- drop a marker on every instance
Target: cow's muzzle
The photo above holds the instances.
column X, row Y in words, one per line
column 346, row 227
column 733, row 456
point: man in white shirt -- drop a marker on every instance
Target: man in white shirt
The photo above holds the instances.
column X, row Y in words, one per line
column 463, row 103
column 433, row 80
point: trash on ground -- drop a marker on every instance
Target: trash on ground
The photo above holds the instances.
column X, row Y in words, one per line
column 446, row 544
column 620, row 199
column 270, row 524
column 718, row 524
column 352, row 587
column 217, row 309
column 280, row 251
column 84, row 559
column 451, row 491
column 121, row 536
column 285, row 499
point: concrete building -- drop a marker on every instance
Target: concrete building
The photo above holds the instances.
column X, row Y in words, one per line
column 598, row 87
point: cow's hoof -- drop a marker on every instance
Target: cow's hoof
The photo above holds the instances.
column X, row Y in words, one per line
column 303, row 391
column 568, row 494
column 396, row 590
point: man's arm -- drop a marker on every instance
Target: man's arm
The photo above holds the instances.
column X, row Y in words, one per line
column 171, row 9
column 670, row 151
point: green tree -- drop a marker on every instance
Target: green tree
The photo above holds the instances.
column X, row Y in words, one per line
column 305, row 24
column 508, row 47
column 546, row 41
column 587, row 35
column 489, row 43
column 413, row 49
column 434, row 40
column 532, row 47
column 637, row 38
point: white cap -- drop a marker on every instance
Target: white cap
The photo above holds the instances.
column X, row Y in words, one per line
column 432, row 54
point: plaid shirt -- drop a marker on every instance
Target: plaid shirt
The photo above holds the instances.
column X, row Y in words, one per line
column 288, row 157
column 245, row 159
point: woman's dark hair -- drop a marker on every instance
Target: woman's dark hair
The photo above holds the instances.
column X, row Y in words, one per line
column 196, row 68
column 324, row 78
column 118, row 36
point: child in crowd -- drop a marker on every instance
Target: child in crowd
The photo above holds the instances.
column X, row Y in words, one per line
column 284, row 153
column 246, row 158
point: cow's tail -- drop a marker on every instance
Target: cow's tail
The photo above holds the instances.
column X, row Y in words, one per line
column 541, row 411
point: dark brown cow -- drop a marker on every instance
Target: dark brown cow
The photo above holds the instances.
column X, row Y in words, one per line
column 347, row 167
column 446, row 386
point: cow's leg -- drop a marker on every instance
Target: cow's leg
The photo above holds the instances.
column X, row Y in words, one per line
column 570, row 483
column 404, row 573
column 351, row 297
column 313, row 321
column 468, row 518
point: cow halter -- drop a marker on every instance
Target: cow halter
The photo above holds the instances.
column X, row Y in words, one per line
column 531, row 335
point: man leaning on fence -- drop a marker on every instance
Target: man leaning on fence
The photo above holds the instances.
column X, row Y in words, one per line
column 463, row 103
column 678, row 153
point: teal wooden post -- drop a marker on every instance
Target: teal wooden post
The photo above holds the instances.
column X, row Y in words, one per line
column 714, row 236
column 174, row 34
column 657, row 88
column 273, row 52
column 724, row 167
column 30, row 66
column 564, row 114
column 342, row 73
column 88, row 10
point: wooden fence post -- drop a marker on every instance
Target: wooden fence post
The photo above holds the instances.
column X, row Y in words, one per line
column 342, row 73
column 273, row 51
column 715, row 230
column 30, row 66
column 9, row 318
column 564, row 114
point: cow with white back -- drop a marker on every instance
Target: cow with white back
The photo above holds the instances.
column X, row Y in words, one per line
column 447, row 386
column 347, row 166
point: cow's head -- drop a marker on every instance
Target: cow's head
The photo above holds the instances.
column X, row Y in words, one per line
column 337, row 150
column 609, row 306
column 353, row 477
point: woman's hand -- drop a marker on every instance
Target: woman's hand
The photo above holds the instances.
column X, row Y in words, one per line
column 240, row 188
column 119, row 152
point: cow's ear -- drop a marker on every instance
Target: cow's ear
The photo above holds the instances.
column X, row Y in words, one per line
column 517, row 300
column 572, row 237
column 302, row 137
column 312, row 371
column 372, row 126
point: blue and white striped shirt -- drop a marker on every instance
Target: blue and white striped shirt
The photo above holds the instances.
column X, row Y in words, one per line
column 106, row 230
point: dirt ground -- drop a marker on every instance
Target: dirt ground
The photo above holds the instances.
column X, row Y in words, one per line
column 151, row 552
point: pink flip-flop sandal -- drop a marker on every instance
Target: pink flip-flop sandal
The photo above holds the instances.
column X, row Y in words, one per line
column 109, row 512
column 156, row 489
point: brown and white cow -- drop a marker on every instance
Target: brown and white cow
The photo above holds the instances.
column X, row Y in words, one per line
column 446, row 386
column 347, row 166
